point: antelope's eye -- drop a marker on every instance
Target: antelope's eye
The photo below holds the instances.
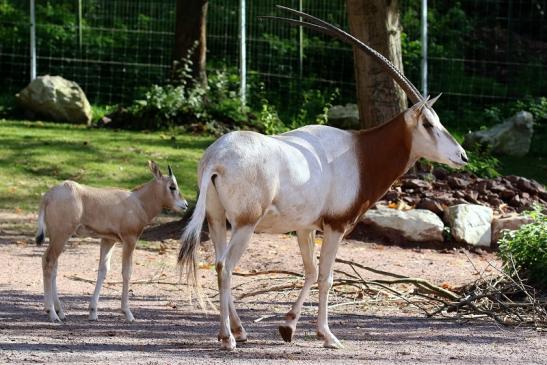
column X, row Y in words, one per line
column 427, row 124
column 172, row 187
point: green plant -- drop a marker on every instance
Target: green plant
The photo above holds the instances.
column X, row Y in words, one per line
column 525, row 250
column 270, row 120
column 482, row 163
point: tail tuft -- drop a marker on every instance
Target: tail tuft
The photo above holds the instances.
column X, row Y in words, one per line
column 40, row 238
column 41, row 233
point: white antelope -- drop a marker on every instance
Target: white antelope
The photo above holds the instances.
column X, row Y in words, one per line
column 114, row 215
column 312, row 178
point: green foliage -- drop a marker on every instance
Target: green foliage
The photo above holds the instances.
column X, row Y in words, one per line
column 525, row 250
column 482, row 163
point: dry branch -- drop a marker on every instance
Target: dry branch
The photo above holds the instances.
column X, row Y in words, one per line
column 506, row 299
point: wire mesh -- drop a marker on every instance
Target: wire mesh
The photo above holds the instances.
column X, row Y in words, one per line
column 480, row 51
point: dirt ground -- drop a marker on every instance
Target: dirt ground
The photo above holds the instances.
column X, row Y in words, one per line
column 170, row 330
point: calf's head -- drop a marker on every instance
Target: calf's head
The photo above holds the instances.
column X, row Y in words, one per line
column 167, row 189
column 430, row 139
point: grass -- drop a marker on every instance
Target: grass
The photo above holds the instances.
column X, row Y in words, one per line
column 35, row 156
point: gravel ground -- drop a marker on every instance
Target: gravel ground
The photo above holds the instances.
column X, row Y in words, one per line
column 170, row 330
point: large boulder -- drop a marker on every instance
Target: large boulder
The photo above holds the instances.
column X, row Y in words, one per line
column 512, row 137
column 344, row 116
column 507, row 223
column 56, row 98
column 471, row 224
column 416, row 225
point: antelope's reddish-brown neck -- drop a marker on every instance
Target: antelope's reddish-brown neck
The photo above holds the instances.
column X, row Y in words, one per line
column 384, row 155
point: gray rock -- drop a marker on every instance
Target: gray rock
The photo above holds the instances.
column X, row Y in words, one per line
column 344, row 116
column 512, row 137
column 56, row 98
column 471, row 224
column 509, row 223
column 418, row 225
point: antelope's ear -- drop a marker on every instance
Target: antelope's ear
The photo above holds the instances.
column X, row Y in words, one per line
column 155, row 169
column 412, row 116
column 432, row 101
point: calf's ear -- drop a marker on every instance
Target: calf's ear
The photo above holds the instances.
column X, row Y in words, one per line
column 155, row 169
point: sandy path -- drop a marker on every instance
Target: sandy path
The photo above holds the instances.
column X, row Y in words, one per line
column 168, row 330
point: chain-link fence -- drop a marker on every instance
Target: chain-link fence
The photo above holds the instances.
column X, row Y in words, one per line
column 480, row 50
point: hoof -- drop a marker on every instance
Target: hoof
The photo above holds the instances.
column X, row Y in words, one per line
column 240, row 334
column 129, row 316
column 286, row 333
column 61, row 315
column 228, row 343
column 333, row 344
column 53, row 317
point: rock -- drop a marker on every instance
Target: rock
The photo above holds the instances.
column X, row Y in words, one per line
column 415, row 184
column 512, row 137
column 56, row 98
column 431, row 205
column 344, row 116
column 391, row 196
column 439, row 173
column 457, row 182
column 416, row 225
column 529, row 186
column 471, row 196
column 516, row 202
column 510, row 223
column 471, row 224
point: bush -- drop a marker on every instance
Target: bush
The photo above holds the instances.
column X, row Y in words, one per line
column 526, row 250
column 482, row 163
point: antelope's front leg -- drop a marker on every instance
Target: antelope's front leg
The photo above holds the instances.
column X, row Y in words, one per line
column 104, row 267
column 329, row 248
column 127, row 269
column 306, row 242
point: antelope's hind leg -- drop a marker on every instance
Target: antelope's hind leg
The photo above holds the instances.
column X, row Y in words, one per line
column 239, row 241
column 306, row 242
column 50, row 259
column 216, row 219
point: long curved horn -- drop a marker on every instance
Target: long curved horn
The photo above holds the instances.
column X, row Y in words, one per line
column 327, row 28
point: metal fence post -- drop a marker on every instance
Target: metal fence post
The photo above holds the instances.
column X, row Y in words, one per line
column 242, row 54
column 424, row 47
column 32, row 41
column 80, row 26
column 300, row 45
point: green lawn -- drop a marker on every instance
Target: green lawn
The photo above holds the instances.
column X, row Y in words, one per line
column 36, row 155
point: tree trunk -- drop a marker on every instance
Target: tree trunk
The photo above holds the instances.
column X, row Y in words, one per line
column 376, row 22
column 190, row 38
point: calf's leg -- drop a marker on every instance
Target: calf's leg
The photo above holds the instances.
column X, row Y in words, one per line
column 104, row 267
column 127, row 269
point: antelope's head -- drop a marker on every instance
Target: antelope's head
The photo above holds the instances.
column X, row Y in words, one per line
column 168, row 189
column 430, row 139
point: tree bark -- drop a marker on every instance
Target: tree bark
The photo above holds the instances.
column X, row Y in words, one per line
column 376, row 22
column 190, row 38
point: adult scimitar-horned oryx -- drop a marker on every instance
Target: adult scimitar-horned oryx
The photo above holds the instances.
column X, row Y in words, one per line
column 312, row 178
column 114, row 215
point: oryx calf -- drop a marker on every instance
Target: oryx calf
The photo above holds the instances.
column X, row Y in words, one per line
column 114, row 215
